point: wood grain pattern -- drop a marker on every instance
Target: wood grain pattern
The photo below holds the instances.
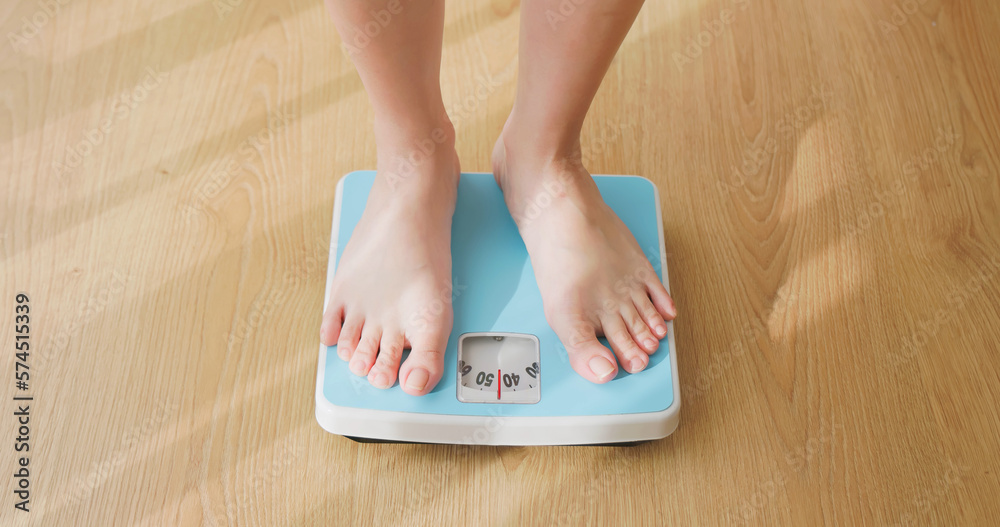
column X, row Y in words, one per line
column 829, row 173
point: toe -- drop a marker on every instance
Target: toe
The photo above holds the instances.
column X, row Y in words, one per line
column 423, row 367
column 661, row 299
column 383, row 373
column 349, row 336
column 653, row 319
column 630, row 355
column 639, row 329
column 586, row 355
column 364, row 354
column 329, row 332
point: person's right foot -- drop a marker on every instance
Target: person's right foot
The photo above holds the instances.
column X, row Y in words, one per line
column 392, row 287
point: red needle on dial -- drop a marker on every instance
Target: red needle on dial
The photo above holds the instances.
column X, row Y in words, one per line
column 498, row 384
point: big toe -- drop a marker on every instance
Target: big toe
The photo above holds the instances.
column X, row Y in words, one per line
column 587, row 356
column 422, row 369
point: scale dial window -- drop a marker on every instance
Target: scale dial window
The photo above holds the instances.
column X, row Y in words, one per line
column 499, row 368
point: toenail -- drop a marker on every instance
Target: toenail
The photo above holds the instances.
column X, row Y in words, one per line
column 342, row 353
column 601, row 367
column 379, row 380
column 358, row 367
column 417, row 379
column 661, row 330
column 650, row 345
column 636, row 365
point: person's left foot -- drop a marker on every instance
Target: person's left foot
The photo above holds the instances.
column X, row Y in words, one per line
column 593, row 276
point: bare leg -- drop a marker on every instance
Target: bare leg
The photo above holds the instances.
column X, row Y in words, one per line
column 395, row 272
column 593, row 276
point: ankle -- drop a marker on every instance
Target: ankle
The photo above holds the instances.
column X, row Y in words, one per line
column 542, row 141
column 417, row 154
column 522, row 159
column 426, row 135
column 537, row 180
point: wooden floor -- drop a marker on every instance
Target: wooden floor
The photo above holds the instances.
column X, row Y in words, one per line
column 832, row 212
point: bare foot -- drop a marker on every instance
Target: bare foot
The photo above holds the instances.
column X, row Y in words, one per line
column 592, row 274
column 392, row 287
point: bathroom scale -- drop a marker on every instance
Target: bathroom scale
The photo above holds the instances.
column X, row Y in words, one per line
column 507, row 379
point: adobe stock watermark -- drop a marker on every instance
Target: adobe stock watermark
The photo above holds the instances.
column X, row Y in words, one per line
column 722, row 362
column 562, row 12
column 755, row 157
column 423, row 149
column 312, row 265
column 596, row 491
column 938, row 491
column 945, row 140
column 957, row 301
column 445, row 298
column 713, row 30
column 553, row 189
column 260, row 479
column 85, row 486
column 224, row 7
column 421, row 321
column 58, row 341
column 467, row 105
column 246, row 151
column 121, row 107
column 901, row 13
column 797, row 460
column 364, row 34
column 621, row 294
column 623, row 286
column 605, row 137
column 430, row 486
column 461, row 110
column 286, row 455
column 550, row 191
column 32, row 26
column 912, row 170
